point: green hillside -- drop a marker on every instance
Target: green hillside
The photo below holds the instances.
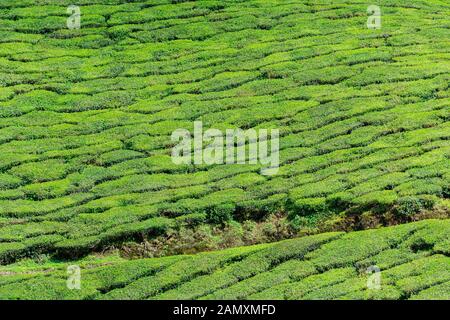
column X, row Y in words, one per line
column 86, row 118
column 413, row 259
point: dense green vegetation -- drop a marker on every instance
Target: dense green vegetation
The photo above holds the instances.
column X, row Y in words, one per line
column 413, row 259
column 86, row 117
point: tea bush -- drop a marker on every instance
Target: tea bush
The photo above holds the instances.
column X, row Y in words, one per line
column 86, row 118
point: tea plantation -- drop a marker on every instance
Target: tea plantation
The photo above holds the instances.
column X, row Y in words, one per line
column 413, row 259
column 86, row 117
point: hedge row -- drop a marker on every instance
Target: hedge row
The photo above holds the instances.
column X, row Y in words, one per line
column 325, row 266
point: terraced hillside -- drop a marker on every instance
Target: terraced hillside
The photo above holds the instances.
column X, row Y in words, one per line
column 86, row 118
column 413, row 258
